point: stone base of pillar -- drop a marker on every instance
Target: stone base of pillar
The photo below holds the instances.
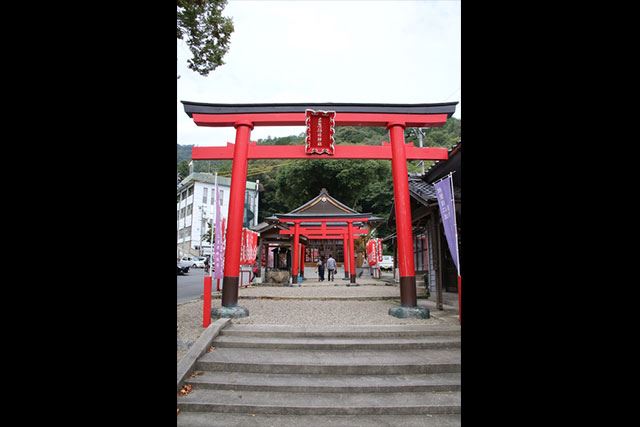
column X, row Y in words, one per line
column 419, row 312
column 231, row 311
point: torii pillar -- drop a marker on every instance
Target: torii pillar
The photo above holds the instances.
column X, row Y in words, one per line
column 296, row 253
column 345, row 255
column 352, row 256
column 231, row 280
column 408, row 297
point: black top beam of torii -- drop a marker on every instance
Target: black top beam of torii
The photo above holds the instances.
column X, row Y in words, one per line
column 207, row 108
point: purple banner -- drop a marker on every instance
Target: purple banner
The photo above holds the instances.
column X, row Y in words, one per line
column 218, row 251
column 444, row 192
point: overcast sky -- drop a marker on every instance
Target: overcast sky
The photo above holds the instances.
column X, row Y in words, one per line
column 327, row 51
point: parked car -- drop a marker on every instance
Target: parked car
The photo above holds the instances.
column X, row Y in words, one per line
column 182, row 269
column 192, row 261
column 387, row 263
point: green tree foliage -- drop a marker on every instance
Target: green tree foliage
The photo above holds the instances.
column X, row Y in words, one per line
column 184, row 152
column 207, row 33
column 446, row 136
column 211, row 166
column 183, row 168
column 361, row 135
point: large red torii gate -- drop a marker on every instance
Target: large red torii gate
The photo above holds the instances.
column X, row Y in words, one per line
column 395, row 117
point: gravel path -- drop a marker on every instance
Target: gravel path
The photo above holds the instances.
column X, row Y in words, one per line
column 291, row 308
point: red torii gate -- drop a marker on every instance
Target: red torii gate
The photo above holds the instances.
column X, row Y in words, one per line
column 395, row 117
column 347, row 234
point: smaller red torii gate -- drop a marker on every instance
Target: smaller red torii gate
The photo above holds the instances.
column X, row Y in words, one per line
column 347, row 234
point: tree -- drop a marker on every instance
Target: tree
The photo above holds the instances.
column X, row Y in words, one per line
column 183, row 169
column 207, row 33
column 208, row 236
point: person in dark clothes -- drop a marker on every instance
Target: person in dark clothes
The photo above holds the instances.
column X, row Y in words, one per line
column 321, row 268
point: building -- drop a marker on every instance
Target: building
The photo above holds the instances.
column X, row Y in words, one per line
column 196, row 211
column 324, row 230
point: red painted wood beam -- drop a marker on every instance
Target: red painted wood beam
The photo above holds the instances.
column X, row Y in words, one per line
column 318, row 230
column 321, row 217
column 298, row 119
column 368, row 152
column 329, row 237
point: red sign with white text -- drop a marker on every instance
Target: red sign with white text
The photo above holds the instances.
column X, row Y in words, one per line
column 320, row 130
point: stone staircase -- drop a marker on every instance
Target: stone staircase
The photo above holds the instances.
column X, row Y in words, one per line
column 263, row 375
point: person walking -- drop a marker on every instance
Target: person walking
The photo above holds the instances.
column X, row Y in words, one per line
column 321, row 268
column 331, row 268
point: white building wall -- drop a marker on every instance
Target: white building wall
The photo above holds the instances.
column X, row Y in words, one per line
column 195, row 219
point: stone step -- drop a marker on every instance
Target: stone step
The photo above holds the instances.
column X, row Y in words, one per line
column 326, row 383
column 219, row 419
column 353, row 331
column 258, row 402
column 338, row 343
column 358, row 362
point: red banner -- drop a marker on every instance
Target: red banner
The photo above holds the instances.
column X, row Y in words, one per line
column 320, row 130
column 249, row 246
column 374, row 251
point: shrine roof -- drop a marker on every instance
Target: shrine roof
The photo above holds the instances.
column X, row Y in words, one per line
column 209, row 108
column 323, row 204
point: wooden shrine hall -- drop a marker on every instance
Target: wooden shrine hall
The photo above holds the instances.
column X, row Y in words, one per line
column 322, row 226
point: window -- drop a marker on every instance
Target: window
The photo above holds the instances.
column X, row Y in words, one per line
column 205, row 192
column 182, row 213
column 189, row 209
column 190, row 192
column 221, row 192
column 183, row 195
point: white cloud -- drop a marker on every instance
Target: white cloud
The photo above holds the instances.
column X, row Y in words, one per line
column 327, row 51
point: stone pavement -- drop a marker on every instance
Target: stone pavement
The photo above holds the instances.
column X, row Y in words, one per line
column 317, row 303
column 368, row 289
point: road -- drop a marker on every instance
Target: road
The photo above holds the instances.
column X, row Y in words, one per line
column 190, row 285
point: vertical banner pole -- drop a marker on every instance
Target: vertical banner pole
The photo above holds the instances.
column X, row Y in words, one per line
column 206, row 296
column 455, row 228
column 448, row 215
column 206, row 306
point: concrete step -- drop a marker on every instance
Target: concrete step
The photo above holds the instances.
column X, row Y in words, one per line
column 258, row 402
column 219, row 419
column 326, row 383
column 353, row 331
column 338, row 343
column 357, row 362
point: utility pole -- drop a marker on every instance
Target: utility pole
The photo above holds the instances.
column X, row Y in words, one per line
column 202, row 226
column 420, row 135
column 255, row 209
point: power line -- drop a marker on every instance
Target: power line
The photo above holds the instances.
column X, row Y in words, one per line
column 453, row 93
